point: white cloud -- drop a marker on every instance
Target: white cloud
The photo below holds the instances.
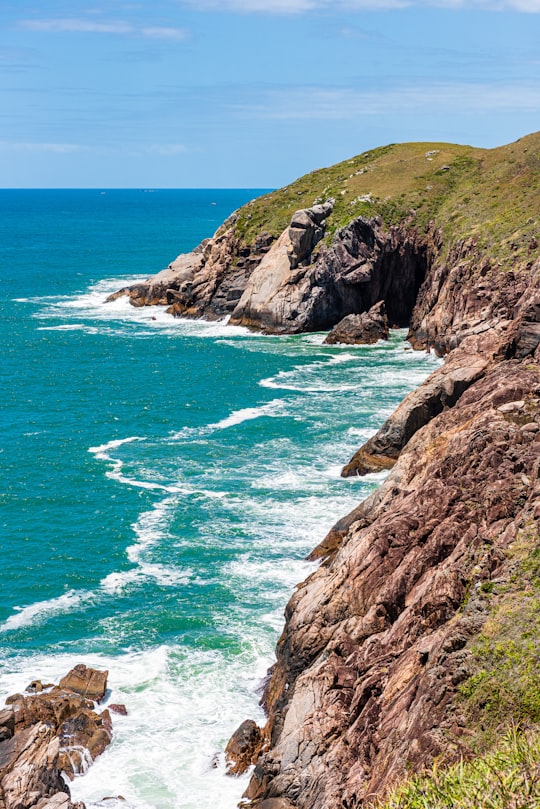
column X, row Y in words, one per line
column 260, row 6
column 300, row 6
column 76, row 25
column 342, row 104
column 55, row 148
column 73, row 25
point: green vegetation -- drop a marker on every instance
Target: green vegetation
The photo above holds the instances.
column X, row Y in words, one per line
column 506, row 778
column 491, row 196
column 501, row 701
column 505, row 685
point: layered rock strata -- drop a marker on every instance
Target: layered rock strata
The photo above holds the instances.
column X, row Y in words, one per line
column 48, row 732
column 375, row 642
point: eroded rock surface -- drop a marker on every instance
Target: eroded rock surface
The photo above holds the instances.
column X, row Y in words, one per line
column 374, row 646
column 49, row 731
column 244, row 747
column 366, row 263
column 294, row 283
column 439, row 392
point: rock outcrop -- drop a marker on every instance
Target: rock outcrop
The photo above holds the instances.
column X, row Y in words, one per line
column 439, row 392
column 366, row 328
column 365, row 264
column 282, row 286
column 375, row 642
column 47, row 732
column 306, row 231
column 207, row 282
column 244, row 747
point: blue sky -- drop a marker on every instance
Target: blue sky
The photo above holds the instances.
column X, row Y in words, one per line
column 252, row 93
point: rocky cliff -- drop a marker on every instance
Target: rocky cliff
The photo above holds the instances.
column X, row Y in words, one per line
column 378, row 668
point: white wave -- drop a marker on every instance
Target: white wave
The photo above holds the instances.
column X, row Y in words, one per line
column 117, row 582
column 282, row 384
column 41, row 611
column 272, row 409
column 310, row 378
column 102, row 450
column 92, row 305
column 183, row 705
column 254, row 573
column 103, row 453
column 65, row 327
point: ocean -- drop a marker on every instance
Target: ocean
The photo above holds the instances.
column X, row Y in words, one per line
column 163, row 481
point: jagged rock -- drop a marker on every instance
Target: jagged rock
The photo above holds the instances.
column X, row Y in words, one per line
column 440, row 391
column 365, row 264
column 49, row 730
column 243, row 747
column 155, row 291
column 29, row 768
column 306, row 231
column 366, row 328
column 375, row 643
column 87, row 682
column 118, row 708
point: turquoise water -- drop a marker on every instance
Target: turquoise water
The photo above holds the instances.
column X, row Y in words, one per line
column 163, row 480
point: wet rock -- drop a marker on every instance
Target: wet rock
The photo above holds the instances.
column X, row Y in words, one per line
column 29, row 768
column 87, row 682
column 118, row 709
column 366, row 328
column 243, row 748
column 439, row 392
column 47, row 731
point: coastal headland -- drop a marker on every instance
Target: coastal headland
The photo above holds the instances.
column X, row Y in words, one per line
column 414, row 640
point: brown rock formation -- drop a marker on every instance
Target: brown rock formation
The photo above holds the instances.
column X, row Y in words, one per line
column 440, row 391
column 365, row 264
column 366, row 328
column 244, row 747
column 374, row 643
column 48, row 731
column 207, row 282
column 273, row 286
column 87, row 682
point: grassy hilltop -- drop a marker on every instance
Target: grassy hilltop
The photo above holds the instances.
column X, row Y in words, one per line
column 491, row 195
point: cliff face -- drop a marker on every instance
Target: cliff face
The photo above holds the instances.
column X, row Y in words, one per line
column 375, row 642
column 378, row 641
column 445, row 235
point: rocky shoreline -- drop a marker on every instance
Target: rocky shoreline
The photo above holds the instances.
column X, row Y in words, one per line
column 380, row 639
column 48, row 732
